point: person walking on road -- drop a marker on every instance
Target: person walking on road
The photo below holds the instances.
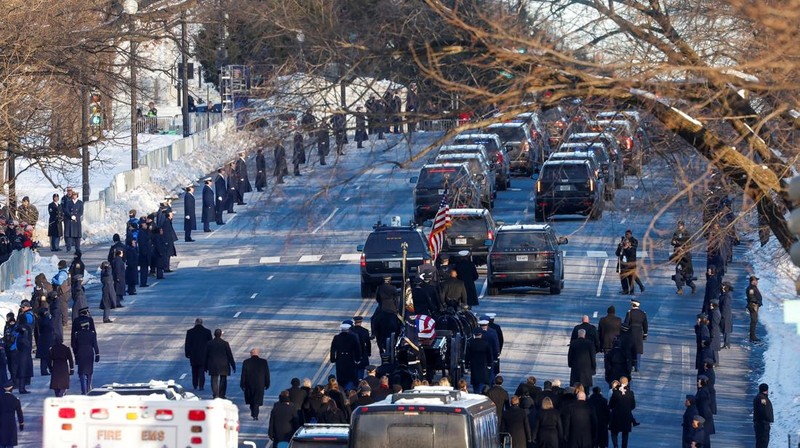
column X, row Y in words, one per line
column 754, row 302
column 254, row 381
column 636, row 320
column 454, row 294
column 346, row 354
column 762, row 416
column 581, row 359
column 599, row 405
column 609, row 328
column 515, row 422
column 365, row 344
column 108, row 298
column 190, row 219
column 547, row 431
column 580, row 424
column 622, row 404
column 467, row 273
column 10, row 407
column 219, row 364
column 84, row 345
column 208, row 207
column 591, row 334
column 197, row 338
column 281, row 168
column 323, row 143
column 61, row 366
column 298, row 152
column 283, row 420
column 261, row 170
column 478, row 359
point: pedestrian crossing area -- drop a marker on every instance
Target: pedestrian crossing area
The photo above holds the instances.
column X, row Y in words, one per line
column 354, row 258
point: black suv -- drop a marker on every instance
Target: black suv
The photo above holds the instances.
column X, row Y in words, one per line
column 525, row 155
column 526, row 255
column 469, row 230
column 568, row 187
column 382, row 255
column 430, row 184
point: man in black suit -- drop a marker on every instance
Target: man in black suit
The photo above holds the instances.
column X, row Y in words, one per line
column 197, row 338
column 283, row 420
column 221, row 190
column 208, row 205
column 254, row 381
column 190, row 220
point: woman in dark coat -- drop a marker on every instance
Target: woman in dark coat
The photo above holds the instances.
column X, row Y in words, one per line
column 261, row 170
column 547, row 432
column 108, row 300
column 79, row 301
column 44, row 324
column 118, row 272
column 55, row 224
column 622, row 404
column 10, row 345
column 61, row 366
column 600, row 406
column 515, row 422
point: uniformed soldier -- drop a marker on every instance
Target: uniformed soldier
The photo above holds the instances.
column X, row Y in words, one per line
column 425, row 296
column 490, row 336
column 364, row 340
column 346, row 353
column 762, row 416
column 754, row 302
column 496, row 329
column 636, row 319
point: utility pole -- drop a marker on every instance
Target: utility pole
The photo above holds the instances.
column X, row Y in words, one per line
column 184, row 77
column 134, row 116
column 85, row 142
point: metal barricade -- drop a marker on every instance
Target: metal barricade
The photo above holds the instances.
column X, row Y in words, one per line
column 15, row 267
column 440, row 125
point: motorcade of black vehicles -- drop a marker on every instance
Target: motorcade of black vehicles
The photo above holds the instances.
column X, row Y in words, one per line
column 526, row 255
column 580, row 155
column 321, row 435
column 480, row 150
column 537, row 129
column 557, row 123
column 612, row 147
column 430, row 186
column 567, row 187
column 496, row 152
column 633, row 156
column 382, row 255
column 470, row 229
column 478, row 168
column 428, row 417
column 602, row 157
column 524, row 156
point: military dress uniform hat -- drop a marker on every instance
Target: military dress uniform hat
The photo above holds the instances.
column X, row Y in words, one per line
column 345, row 326
column 8, row 385
column 484, row 320
column 635, row 302
column 371, row 368
column 207, row 180
column 753, row 277
column 358, row 318
column 491, row 316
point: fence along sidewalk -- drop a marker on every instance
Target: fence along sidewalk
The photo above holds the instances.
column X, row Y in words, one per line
column 15, row 267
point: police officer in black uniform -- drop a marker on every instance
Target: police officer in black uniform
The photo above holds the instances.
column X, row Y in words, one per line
column 346, row 354
column 754, row 302
column 762, row 416
column 221, row 190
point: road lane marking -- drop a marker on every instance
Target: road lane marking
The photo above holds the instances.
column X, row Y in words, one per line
column 269, row 260
column 183, row 375
column 255, row 294
column 154, row 284
column 237, row 314
column 347, row 199
column 623, row 221
column 358, row 187
column 378, row 176
column 594, row 315
column 270, row 277
column 350, row 257
column 326, row 220
column 309, row 258
column 132, row 302
column 228, row 261
column 602, row 278
column 188, row 264
column 596, row 254
column 483, row 289
column 230, row 218
column 514, row 189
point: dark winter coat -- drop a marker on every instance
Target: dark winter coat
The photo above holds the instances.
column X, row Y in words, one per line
column 55, row 222
column 515, row 422
column 254, row 380
column 705, row 407
column 712, row 292
column 280, row 161
column 208, row 210
column 220, row 189
column 346, row 354
column 715, row 327
column 702, row 336
column 108, row 299
column 688, row 417
column 197, row 338
column 591, row 335
column 478, row 359
column 242, row 177
column 84, row 345
column 499, row 397
column 219, row 359
column 61, row 364
column 622, row 406
column 637, row 321
column 581, row 361
column 599, row 405
column 299, row 150
column 361, row 128
column 46, row 335
column 548, row 432
column 617, row 364
column 24, row 342
column 161, row 250
column 144, row 239
column 282, row 423
column 78, row 296
column 580, row 425
column 73, row 215
column 607, row 329
column 261, row 170
column 9, row 407
column 132, row 265
column 468, row 273
column 118, row 272
column 726, row 312
column 189, row 217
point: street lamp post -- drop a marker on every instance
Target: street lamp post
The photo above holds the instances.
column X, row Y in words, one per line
column 131, row 7
column 184, row 74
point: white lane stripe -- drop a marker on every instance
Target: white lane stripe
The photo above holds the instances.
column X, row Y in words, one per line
column 237, row 314
column 483, row 289
column 596, row 254
column 309, row 258
column 350, row 257
column 594, row 315
column 326, row 220
column 188, row 264
column 602, row 278
column 153, row 284
column 378, row 176
column 623, row 221
column 515, row 189
column 228, row 261
column 270, row 277
column 347, row 199
column 132, row 302
column 183, row 375
column 358, row 187
column 230, row 218
column 269, row 260
column 254, row 294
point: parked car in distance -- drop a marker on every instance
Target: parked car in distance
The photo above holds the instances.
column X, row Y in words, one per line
column 526, row 255
column 633, row 156
column 598, row 150
column 478, row 168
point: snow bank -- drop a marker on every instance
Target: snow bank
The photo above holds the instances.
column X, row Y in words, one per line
column 782, row 356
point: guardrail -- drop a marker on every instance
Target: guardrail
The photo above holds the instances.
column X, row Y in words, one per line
column 198, row 122
column 15, row 267
column 438, row 125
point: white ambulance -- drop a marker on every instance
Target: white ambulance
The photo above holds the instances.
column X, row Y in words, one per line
column 150, row 421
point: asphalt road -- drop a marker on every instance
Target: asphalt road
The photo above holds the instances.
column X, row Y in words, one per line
column 282, row 273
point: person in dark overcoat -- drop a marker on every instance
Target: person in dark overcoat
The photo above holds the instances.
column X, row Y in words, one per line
column 219, row 364
column 232, row 182
column 281, row 168
column 705, row 407
column 702, row 336
column 364, row 343
column 84, row 345
column 591, row 333
column 686, row 424
column 197, row 338
column 412, row 106
column 478, row 359
column 515, row 422
column 282, row 420
column 44, row 324
column 190, row 217
column 599, row 405
column 323, row 143
column 108, row 298
column 715, row 329
column 208, row 207
column 581, row 360
column 547, row 431
column 361, row 127
column 9, row 344
column 160, row 253
column 712, row 291
column 254, row 381
column 580, row 425
column 339, row 125
column 725, row 309
column 73, row 215
column 55, row 223
column 261, row 170
column 9, row 408
column 622, row 404
column 220, row 196
column 58, row 306
column 608, row 328
column 131, row 264
column 298, row 152
column 144, row 239
column 118, row 272
column 468, row 274
column 617, row 363
column 346, row 354
column 242, row 178
column 636, row 320
column 499, row 397
column 116, row 245
column 24, row 346
column 61, row 366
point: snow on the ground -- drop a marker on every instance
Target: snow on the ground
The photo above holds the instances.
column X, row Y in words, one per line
column 782, row 356
column 109, row 158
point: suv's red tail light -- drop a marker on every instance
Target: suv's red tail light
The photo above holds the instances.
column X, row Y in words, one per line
column 591, row 184
column 538, row 186
column 628, row 143
column 534, row 134
column 489, row 235
column 363, row 260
